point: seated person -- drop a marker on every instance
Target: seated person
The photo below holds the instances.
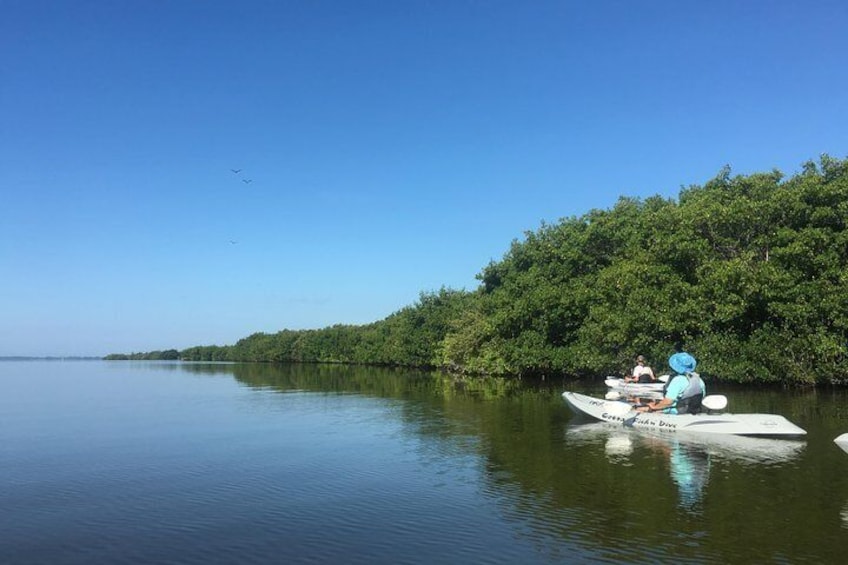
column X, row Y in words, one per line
column 641, row 372
column 684, row 391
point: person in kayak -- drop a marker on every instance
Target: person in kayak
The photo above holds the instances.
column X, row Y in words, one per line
column 683, row 392
column 641, row 373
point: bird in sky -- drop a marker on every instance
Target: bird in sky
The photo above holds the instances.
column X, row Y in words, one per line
column 236, row 171
column 233, row 242
column 247, row 181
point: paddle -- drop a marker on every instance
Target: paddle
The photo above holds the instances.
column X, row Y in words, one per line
column 631, row 420
column 716, row 402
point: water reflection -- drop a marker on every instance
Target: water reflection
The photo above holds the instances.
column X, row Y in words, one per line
column 689, row 467
column 739, row 449
column 689, row 456
column 618, row 445
column 742, row 449
column 844, row 516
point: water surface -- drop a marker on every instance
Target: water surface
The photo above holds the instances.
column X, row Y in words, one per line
column 125, row 462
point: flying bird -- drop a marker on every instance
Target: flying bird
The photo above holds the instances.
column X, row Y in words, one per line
column 236, row 171
column 247, row 181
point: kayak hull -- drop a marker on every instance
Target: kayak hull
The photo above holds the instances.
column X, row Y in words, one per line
column 764, row 425
column 634, row 389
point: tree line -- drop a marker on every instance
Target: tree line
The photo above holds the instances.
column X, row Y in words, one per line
column 747, row 272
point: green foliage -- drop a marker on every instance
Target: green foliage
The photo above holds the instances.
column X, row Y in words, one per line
column 167, row 355
column 746, row 272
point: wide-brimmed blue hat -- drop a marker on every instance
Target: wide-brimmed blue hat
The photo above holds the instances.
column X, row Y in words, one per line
column 682, row 363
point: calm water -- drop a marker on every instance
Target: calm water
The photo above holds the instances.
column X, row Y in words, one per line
column 192, row 463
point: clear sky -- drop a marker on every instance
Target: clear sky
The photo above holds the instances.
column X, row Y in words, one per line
column 393, row 147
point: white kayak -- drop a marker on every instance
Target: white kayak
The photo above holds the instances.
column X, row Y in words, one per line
column 617, row 412
column 842, row 442
column 633, row 388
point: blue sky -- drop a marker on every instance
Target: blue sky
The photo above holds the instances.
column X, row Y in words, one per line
column 393, row 147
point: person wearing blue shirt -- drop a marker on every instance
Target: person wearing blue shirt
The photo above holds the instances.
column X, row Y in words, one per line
column 685, row 389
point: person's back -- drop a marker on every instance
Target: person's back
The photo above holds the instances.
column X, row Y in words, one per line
column 686, row 389
column 642, row 373
column 686, row 393
column 683, row 392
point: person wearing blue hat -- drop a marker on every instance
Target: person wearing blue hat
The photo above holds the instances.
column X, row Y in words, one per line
column 684, row 391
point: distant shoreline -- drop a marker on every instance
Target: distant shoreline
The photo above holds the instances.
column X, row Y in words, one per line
column 48, row 358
